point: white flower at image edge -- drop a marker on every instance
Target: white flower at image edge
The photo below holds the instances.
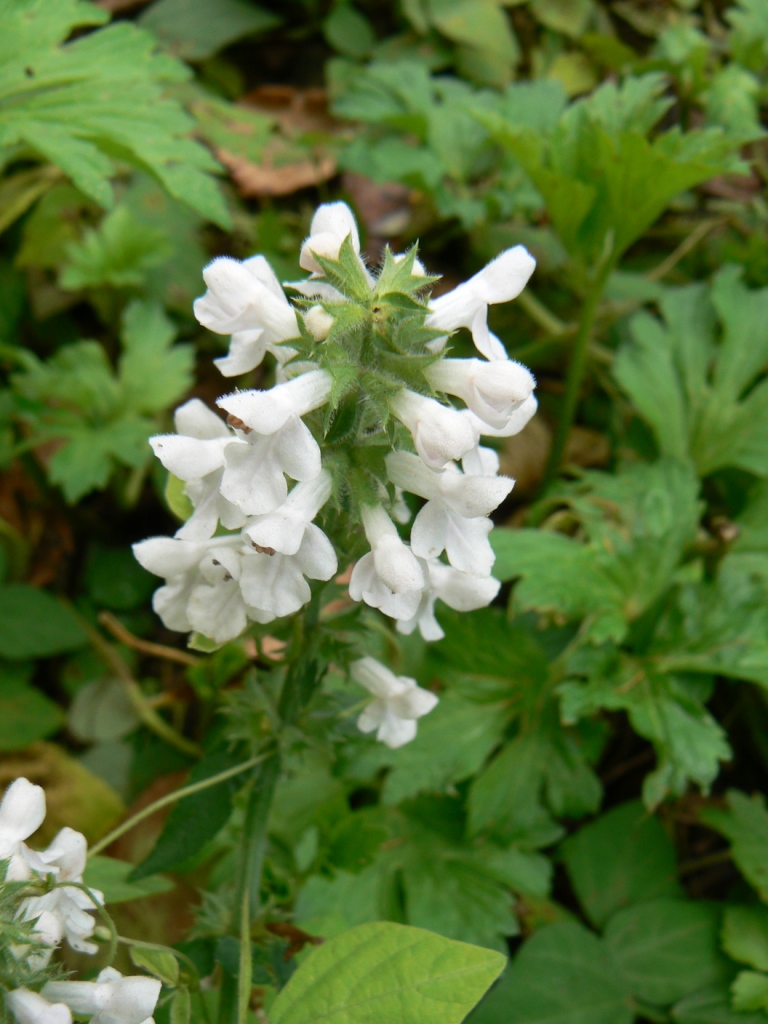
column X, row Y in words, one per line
column 22, row 812
column 399, row 702
column 112, row 999
column 31, row 1008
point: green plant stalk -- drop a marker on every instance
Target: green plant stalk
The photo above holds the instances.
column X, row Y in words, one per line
column 577, row 369
column 249, row 882
column 172, row 798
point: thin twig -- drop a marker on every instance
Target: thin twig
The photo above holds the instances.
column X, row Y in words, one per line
column 711, row 859
column 689, row 242
column 111, row 623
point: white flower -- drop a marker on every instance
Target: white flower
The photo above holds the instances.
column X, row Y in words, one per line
column 454, row 518
column 31, row 1008
column 112, row 999
column 331, row 224
column 493, row 391
column 460, row 591
column 278, row 441
column 440, row 433
column 195, row 454
column 283, row 530
column 518, row 419
column 244, row 297
column 399, row 702
column 22, row 812
column 467, row 305
column 389, row 577
column 273, row 582
column 65, row 858
column 202, row 592
column 247, row 350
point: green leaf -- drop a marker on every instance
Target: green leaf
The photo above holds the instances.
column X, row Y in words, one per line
column 196, row 819
column 704, row 380
column 638, row 521
column 665, row 949
column 452, row 744
column 159, row 962
column 181, row 1009
column 26, row 715
column 622, row 858
column 119, row 253
column 187, row 29
column 34, row 624
column 749, row 991
column 748, row 40
column 562, row 975
column 712, row 1005
column 110, row 876
column 379, row 972
column 349, row 32
column 154, row 373
column 744, row 821
column 99, row 98
column 745, row 935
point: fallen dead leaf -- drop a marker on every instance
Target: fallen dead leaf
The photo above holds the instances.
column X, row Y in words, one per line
column 256, row 180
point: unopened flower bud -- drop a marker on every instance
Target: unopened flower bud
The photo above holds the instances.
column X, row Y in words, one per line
column 318, row 322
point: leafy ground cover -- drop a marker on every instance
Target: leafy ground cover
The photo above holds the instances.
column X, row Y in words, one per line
column 588, row 796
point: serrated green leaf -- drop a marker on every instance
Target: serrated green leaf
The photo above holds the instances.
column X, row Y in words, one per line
column 379, row 970
column 562, row 975
column 744, row 821
column 745, row 935
column 110, row 876
column 119, row 253
column 712, row 1005
column 749, row 991
column 153, row 372
column 666, row 949
column 622, row 858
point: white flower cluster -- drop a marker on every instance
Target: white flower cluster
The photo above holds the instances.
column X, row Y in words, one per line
column 237, row 475
column 63, row 912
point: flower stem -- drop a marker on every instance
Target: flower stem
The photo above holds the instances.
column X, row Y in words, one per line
column 172, row 798
column 576, row 370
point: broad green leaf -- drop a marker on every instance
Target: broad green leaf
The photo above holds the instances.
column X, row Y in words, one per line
column 666, row 949
column 101, row 712
column 379, row 972
column 481, row 24
column 156, row 961
column 327, row 906
column 110, row 876
column 567, row 16
column 712, row 1005
column 749, row 991
column 97, row 98
column 745, row 935
column 181, row 1009
column 748, row 39
column 452, row 744
column 561, row 975
column 34, row 624
column 623, row 857
column 196, row 819
column 639, row 523
column 188, row 30
column 744, row 821
column 26, row 714
column 349, row 32
column 695, row 385
column 115, row 580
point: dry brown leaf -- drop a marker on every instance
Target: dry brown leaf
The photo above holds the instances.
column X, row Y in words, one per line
column 256, row 180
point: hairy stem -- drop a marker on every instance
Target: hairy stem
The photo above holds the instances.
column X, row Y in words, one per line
column 576, row 370
column 172, row 798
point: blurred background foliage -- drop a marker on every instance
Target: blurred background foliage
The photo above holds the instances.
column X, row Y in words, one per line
column 589, row 793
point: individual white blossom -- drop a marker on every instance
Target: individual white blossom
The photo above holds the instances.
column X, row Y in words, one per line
column 440, row 433
column 454, row 518
column 459, row 590
column 22, row 812
column 467, row 305
column 112, row 998
column 31, row 1008
column 65, row 859
column 331, row 224
column 318, row 322
column 202, row 591
column 492, row 390
column 245, row 296
column 517, row 420
column 278, row 441
column 247, row 350
column 283, row 530
column 399, row 702
column 389, row 577
column 195, row 454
